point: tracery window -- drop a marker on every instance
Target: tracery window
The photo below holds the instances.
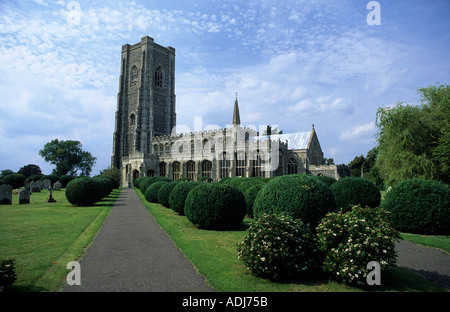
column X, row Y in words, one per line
column 206, row 169
column 256, row 162
column 134, row 76
column 190, row 170
column 176, row 170
column 224, row 165
column 162, row 169
column 241, row 163
column 158, row 77
column 292, row 167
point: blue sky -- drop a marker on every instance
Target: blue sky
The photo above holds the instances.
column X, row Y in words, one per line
column 292, row 63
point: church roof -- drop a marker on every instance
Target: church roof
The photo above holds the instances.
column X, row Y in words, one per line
column 297, row 140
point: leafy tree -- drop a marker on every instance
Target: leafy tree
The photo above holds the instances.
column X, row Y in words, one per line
column 414, row 140
column 355, row 166
column 30, row 170
column 68, row 157
column 5, row 172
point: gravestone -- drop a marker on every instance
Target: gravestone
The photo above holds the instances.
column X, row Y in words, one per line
column 41, row 184
column 57, row 186
column 50, row 198
column 6, row 194
column 47, row 183
column 24, row 197
column 27, row 186
column 34, row 187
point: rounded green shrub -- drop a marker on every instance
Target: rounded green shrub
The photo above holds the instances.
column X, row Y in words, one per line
column 250, row 196
column 298, row 195
column 248, row 183
column 215, row 206
column 419, row 206
column 351, row 191
column 83, row 192
column 327, row 180
column 350, row 240
column 147, row 181
column 279, row 247
column 151, row 193
column 205, row 179
column 178, row 195
column 15, row 180
column 137, row 181
column 164, row 193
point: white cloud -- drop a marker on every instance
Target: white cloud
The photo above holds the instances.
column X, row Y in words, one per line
column 358, row 132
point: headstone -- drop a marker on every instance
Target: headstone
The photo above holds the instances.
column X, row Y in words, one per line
column 6, row 194
column 34, row 187
column 50, row 198
column 41, row 184
column 57, row 186
column 47, row 183
column 27, row 186
column 24, row 197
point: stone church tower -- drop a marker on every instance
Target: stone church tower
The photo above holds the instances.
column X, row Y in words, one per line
column 146, row 99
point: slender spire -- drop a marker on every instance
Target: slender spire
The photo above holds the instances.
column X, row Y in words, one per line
column 236, row 117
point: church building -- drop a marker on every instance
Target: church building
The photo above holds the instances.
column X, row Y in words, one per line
column 145, row 144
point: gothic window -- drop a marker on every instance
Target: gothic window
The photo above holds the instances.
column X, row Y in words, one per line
column 150, row 173
column 132, row 120
column 192, row 147
column 162, row 169
column 241, row 163
column 206, row 168
column 292, row 167
column 224, row 165
column 256, row 162
column 134, row 76
column 190, row 169
column 158, row 77
column 176, row 170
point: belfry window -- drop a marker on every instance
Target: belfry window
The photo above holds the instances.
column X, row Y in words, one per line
column 158, row 77
column 134, row 76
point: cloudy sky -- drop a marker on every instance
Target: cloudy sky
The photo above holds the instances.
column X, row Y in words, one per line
column 293, row 63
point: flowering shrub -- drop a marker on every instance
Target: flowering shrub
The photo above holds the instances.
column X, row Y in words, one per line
column 350, row 240
column 7, row 272
column 279, row 247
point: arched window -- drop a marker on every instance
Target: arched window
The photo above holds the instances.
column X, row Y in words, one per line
column 224, row 165
column 256, row 162
column 150, row 173
column 176, row 170
column 158, row 77
column 206, row 169
column 134, row 76
column 132, row 120
column 190, row 170
column 241, row 163
column 162, row 169
column 292, row 166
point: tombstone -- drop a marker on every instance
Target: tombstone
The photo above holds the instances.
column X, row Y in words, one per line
column 57, row 186
column 27, row 186
column 50, row 198
column 41, row 184
column 34, row 187
column 6, row 194
column 46, row 184
column 24, row 197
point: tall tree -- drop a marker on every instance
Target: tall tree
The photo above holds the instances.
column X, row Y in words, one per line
column 30, row 170
column 68, row 157
column 355, row 166
column 413, row 140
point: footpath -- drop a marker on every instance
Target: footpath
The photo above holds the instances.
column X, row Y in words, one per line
column 131, row 253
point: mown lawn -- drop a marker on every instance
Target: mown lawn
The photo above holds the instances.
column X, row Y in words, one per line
column 43, row 237
column 214, row 254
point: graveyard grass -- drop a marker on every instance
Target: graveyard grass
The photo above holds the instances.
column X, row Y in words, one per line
column 43, row 237
column 214, row 254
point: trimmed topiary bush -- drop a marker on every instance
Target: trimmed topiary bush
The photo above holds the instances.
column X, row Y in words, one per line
column 147, row 181
column 137, row 181
column 298, row 195
column 250, row 196
column 83, row 192
column 15, row 180
column 248, row 183
column 278, row 247
column 178, row 195
column 215, row 206
column 327, row 180
column 205, row 179
column 350, row 240
column 419, row 206
column 151, row 193
column 351, row 191
column 164, row 193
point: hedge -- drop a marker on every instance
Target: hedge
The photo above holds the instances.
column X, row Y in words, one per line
column 151, row 193
column 178, row 195
column 215, row 206
column 164, row 193
column 298, row 195
column 351, row 191
column 419, row 206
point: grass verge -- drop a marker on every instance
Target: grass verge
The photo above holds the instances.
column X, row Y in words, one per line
column 214, row 254
column 43, row 237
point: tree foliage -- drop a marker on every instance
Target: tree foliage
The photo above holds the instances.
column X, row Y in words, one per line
column 30, row 170
column 414, row 140
column 68, row 157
